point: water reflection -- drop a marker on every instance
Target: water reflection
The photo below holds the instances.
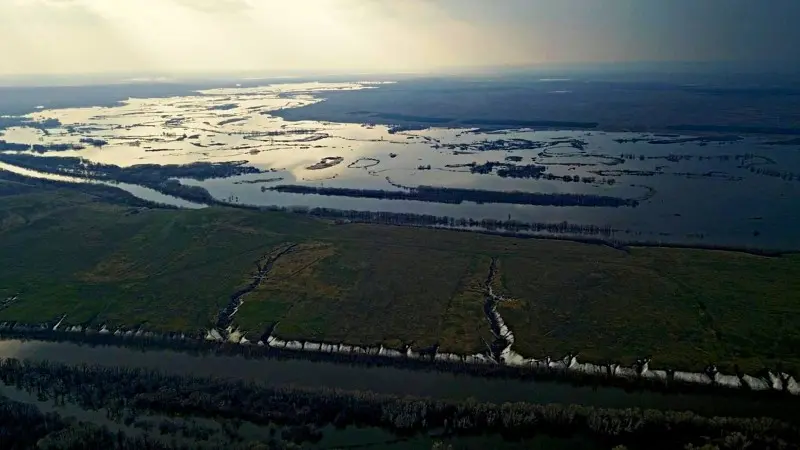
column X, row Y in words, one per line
column 732, row 191
column 392, row 380
column 138, row 191
column 332, row 437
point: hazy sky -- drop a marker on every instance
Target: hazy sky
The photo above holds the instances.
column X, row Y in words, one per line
column 101, row 36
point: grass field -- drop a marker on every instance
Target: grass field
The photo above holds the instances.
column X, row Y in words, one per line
column 77, row 253
column 684, row 307
column 370, row 285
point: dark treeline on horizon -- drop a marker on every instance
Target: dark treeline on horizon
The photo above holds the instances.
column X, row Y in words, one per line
column 458, row 196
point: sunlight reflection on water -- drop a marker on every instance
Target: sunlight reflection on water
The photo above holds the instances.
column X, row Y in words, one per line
column 235, row 124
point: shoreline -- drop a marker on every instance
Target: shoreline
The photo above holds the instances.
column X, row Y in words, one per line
column 403, row 122
column 511, row 229
column 766, row 379
column 143, row 389
column 568, row 370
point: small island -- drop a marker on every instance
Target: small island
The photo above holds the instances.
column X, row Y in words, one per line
column 325, row 163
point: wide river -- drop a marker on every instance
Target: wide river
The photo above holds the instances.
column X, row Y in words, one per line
column 393, row 380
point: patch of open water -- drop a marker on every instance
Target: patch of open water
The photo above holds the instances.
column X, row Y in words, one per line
column 731, row 192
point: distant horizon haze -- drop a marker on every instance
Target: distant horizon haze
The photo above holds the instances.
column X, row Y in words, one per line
column 649, row 70
column 68, row 38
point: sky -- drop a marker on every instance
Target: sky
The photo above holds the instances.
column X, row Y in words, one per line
column 54, row 37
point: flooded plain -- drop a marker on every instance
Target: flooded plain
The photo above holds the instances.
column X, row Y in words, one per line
column 221, row 434
column 701, row 190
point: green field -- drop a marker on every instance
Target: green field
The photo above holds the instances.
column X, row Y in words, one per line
column 86, row 255
column 686, row 308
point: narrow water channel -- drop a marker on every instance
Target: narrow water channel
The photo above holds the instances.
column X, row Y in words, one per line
column 141, row 192
column 399, row 381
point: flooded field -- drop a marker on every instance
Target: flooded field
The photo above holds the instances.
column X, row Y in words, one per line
column 703, row 190
column 204, row 433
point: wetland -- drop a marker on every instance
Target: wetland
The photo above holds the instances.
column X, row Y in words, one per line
column 215, row 146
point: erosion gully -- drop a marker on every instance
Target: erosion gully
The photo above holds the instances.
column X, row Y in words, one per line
column 337, row 375
column 263, row 267
column 500, row 349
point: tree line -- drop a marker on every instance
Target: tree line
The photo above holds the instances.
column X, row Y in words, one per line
column 143, row 174
column 429, row 220
column 157, row 177
column 23, row 426
column 101, row 192
column 39, row 148
column 533, row 171
column 114, row 388
column 512, row 144
column 458, row 195
column 509, row 170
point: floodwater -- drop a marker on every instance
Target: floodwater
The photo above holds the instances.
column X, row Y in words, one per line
column 349, row 437
column 398, row 381
column 734, row 192
column 138, row 191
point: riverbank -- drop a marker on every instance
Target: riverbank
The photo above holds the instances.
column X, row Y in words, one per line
column 766, row 388
column 170, row 194
column 119, row 388
column 132, row 267
column 441, row 381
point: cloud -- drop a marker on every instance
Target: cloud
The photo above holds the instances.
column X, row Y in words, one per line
column 244, row 35
column 215, row 6
column 69, row 36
